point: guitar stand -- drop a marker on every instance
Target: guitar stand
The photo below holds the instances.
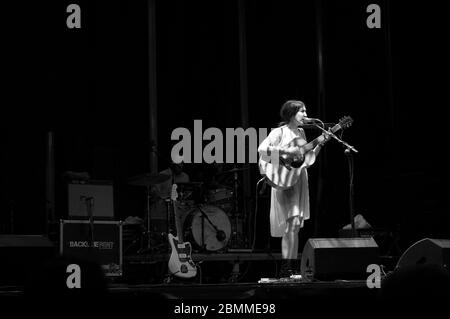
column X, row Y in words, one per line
column 168, row 277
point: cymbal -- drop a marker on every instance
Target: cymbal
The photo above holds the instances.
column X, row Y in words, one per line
column 148, row 179
column 187, row 184
column 233, row 170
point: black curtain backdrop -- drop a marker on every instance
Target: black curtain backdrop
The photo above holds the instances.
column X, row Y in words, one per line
column 90, row 87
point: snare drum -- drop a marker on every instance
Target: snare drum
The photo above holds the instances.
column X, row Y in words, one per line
column 207, row 236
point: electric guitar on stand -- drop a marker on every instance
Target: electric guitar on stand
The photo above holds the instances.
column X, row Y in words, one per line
column 286, row 170
column 180, row 261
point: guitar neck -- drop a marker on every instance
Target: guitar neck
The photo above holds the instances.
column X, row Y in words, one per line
column 320, row 139
column 177, row 222
column 311, row 145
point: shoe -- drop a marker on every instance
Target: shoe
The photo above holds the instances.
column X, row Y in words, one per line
column 295, row 267
column 288, row 268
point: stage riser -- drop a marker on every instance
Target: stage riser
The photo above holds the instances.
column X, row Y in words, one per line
column 209, row 272
column 21, row 255
column 250, row 291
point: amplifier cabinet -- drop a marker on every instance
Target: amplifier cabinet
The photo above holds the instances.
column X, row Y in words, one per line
column 100, row 241
column 101, row 194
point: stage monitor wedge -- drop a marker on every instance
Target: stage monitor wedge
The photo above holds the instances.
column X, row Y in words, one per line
column 426, row 251
column 325, row 259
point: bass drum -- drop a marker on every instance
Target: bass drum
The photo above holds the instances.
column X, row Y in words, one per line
column 209, row 238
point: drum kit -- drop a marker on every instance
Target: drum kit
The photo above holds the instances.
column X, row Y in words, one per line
column 208, row 212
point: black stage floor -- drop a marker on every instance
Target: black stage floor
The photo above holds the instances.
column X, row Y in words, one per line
column 236, row 275
column 229, row 278
column 283, row 289
column 243, row 300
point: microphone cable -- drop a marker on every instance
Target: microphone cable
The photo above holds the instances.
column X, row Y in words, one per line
column 263, row 179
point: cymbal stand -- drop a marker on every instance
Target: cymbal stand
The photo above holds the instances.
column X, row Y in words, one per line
column 148, row 229
column 236, row 240
column 203, row 229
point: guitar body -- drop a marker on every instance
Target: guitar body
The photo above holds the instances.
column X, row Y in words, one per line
column 180, row 261
column 284, row 175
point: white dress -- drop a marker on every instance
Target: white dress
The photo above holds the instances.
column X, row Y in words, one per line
column 285, row 204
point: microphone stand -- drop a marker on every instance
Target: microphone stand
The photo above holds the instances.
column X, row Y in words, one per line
column 350, row 168
column 348, row 153
column 89, row 203
column 329, row 133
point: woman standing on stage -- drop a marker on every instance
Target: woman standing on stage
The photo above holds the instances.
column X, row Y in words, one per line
column 288, row 208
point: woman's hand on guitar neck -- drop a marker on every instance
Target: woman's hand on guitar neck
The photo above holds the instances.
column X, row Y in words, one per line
column 326, row 136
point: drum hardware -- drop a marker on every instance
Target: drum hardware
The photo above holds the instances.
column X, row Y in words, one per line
column 190, row 191
column 147, row 230
column 207, row 227
column 236, row 239
column 233, row 203
column 131, row 238
column 220, row 234
column 233, row 170
column 148, row 180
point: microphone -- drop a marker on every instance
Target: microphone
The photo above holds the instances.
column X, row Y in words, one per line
column 310, row 120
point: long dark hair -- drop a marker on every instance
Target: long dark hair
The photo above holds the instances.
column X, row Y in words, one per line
column 288, row 110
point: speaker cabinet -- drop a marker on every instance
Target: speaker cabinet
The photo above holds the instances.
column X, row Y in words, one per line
column 21, row 254
column 427, row 251
column 338, row 258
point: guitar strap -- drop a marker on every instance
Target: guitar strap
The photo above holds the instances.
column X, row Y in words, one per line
column 281, row 138
column 302, row 134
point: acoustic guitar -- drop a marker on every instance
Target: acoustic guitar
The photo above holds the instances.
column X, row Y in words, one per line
column 284, row 172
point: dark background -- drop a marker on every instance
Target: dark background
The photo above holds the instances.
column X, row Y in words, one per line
column 90, row 87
